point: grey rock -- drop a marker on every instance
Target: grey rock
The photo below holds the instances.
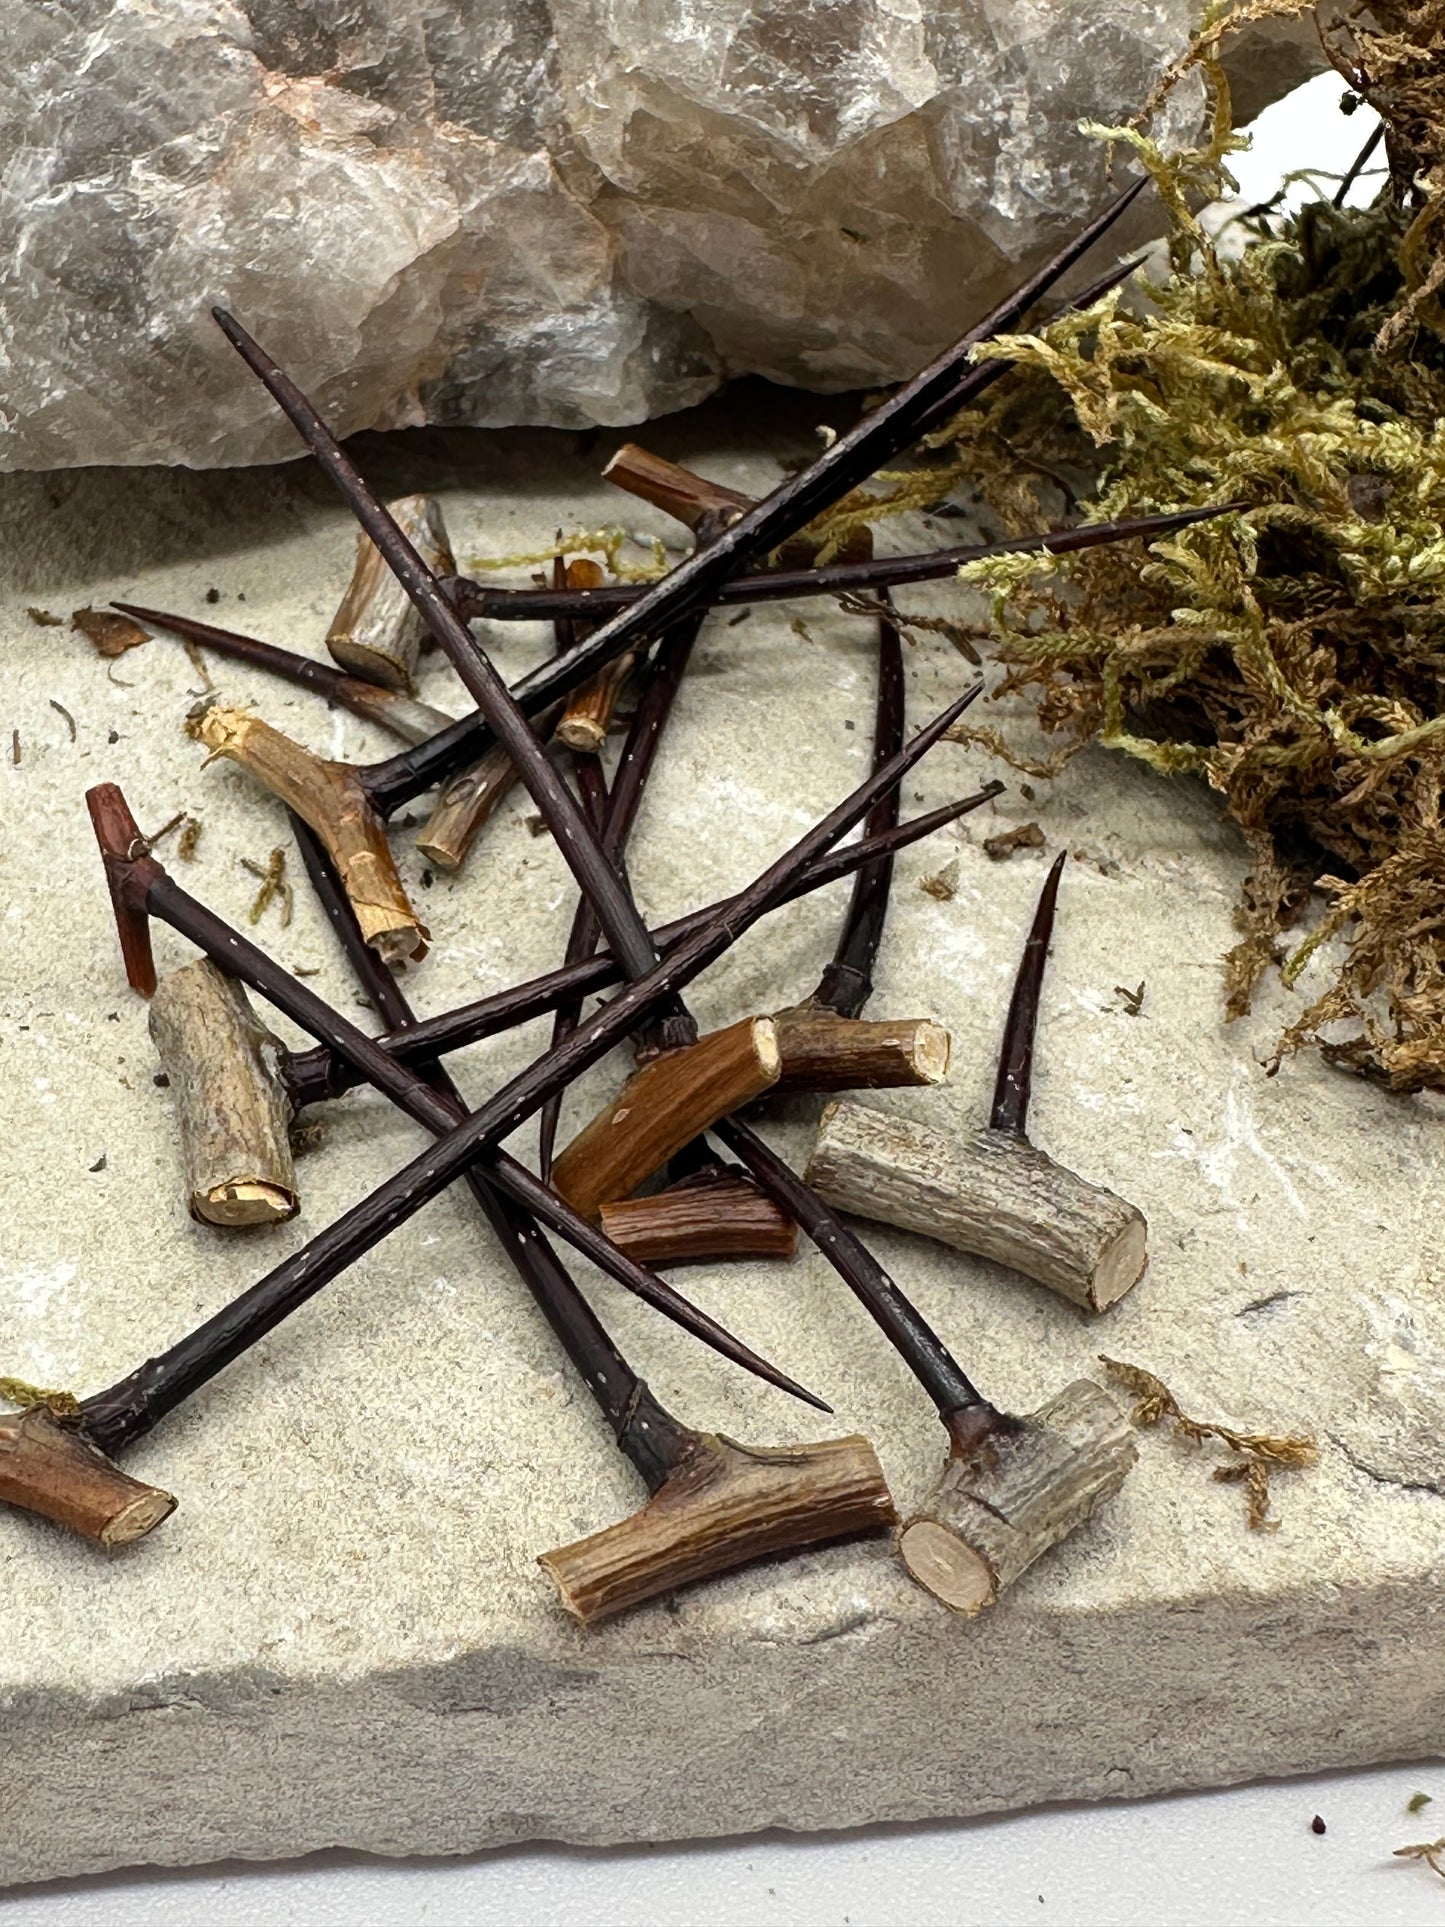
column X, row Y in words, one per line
column 568, row 213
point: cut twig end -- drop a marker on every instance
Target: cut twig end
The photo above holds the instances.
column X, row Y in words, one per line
column 1014, row 1492
column 48, row 1467
column 723, row 1506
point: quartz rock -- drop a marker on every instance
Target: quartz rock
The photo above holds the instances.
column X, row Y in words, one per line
column 539, row 211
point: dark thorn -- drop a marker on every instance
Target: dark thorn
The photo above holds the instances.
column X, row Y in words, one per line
column 1016, row 1059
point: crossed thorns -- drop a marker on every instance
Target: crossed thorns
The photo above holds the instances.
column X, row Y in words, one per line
column 1010, row 1487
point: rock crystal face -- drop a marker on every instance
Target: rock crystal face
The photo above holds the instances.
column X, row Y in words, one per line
column 588, row 211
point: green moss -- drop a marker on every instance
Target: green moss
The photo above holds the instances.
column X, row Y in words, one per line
column 1292, row 654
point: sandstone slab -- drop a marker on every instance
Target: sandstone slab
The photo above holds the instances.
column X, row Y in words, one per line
column 342, row 1636
column 551, row 211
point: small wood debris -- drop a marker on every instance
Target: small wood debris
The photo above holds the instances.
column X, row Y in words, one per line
column 273, row 886
column 44, row 619
column 198, row 663
column 61, row 710
column 1416, row 1801
column 943, row 884
column 1025, row 836
column 1133, row 1002
column 16, row 752
column 110, row 634
column 1259, row 1453
column 1432, row 1852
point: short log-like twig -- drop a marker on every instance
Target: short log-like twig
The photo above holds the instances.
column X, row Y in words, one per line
column 991, row 1193
column 376, row 634
column 231, row 1106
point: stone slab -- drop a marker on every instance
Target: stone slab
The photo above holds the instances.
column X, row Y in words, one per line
column 342, row 1636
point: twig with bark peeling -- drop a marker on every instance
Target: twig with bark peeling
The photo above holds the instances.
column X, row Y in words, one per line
column 231, row 1107
column 993, row 1193
column 713, row 1505
column 332, row 798
column 376, row 634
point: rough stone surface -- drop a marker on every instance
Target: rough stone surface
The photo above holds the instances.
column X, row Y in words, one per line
column 342, row 1636
column 564, row 211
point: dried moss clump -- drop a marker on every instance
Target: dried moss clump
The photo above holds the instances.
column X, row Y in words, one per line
column 1293, row 654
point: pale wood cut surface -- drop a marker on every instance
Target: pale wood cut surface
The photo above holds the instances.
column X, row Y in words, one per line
column 230, row 1106
column 998, row 1508
column 726, row 1505
column 989, row 1193
column 376, row 633
column 330, row 798
column 663, row 1106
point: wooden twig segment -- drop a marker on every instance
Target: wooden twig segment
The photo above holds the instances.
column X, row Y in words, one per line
column 1009, row 1495
column 662, row 1106
column 588, row 715
column 824, row 1052
column 376, row 634
column 121, row 845
column 48, row 1466
column 989, row 1193
column 724, row 1505
column 688, row 498
column 231, row 1107
column 716, row 1214
column 332, row 798
column 468, row 802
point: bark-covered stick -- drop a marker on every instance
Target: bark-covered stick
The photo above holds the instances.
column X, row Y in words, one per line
column 223, row 1066
column 986, row 1192
column 332, row 799
column 666, row 1103
column 716, row 1213
column 49, row 1466
column 588, row 715
column 724, row 1504
column 991, row 1192
column 679, row 1535
column 376, row 634
column 1013, row 1489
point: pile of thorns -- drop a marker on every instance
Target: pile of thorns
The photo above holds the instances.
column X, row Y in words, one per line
column 1011, row 1486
